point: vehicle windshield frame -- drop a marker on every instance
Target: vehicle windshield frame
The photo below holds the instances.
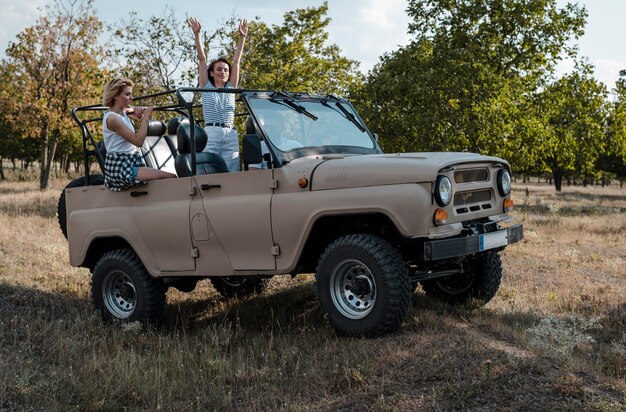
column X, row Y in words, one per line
column 311, row 115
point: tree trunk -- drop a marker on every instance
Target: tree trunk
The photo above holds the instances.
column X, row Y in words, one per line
column 46, row 155
column 558, row 179
column 66, row 163
column 2, row 177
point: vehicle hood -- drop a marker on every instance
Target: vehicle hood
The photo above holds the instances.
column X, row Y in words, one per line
column 336, row 172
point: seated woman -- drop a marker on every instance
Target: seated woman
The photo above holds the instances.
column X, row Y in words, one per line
column 124, row 166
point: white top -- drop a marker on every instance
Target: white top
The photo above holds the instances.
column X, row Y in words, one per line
column 113, row 141
column 218, row 107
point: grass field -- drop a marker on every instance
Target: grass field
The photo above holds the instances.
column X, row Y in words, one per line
column 554, row 337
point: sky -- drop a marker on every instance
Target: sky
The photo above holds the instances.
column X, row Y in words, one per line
column 363, row 29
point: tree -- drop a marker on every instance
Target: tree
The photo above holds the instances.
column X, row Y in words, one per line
column 55, row 67
column 575, row 110
column 156, row 52
column 295, row 56
column 468, row 81
column 615, row 159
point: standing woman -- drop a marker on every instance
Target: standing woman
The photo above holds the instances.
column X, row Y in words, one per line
column 124, row 166
column 219, row 108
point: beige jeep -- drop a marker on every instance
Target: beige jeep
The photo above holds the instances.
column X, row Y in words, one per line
column 316, row 195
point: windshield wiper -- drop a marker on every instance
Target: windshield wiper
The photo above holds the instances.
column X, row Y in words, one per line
column 345, row 114
column 350, row 117
column 286, row 101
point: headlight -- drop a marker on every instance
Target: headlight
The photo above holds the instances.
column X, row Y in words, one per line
column 504, row 182
column 443, row 191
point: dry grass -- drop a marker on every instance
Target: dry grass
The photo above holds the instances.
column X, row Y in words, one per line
column 275, row 351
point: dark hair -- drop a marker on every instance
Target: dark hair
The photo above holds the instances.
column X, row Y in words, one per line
column 212, row 65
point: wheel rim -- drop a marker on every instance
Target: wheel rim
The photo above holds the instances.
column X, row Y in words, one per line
column 119, row 294
column 353, row 289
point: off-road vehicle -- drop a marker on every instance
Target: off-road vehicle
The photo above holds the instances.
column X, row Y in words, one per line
column 325, row 200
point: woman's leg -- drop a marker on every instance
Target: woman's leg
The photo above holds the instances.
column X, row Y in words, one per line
column 148, row 173
column 230, row 151
column 214, row 139
column 225, row 143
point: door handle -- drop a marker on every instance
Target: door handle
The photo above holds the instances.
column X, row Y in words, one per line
column 208, row 187
column 137, row 194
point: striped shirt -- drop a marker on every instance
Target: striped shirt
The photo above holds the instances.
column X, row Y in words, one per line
column 218, row 107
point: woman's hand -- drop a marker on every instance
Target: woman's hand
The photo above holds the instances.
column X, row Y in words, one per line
column 243, row 27
column 147, row 111
column 138, row 112
column 194, row 24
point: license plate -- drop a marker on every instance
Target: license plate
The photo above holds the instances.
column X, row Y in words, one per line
column 492, row 240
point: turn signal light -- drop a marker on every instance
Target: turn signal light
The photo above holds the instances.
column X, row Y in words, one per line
column 508, row 204
column 441, row 217
column 303, row 182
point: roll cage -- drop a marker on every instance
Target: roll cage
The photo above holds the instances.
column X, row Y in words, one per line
column 186, row 106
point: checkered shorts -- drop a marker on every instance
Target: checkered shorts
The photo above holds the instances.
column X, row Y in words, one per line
column 118, row 170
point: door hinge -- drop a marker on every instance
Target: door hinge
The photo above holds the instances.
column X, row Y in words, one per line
column 274, row 184
column 275, row 250
column 194, row 252
column 192, row 191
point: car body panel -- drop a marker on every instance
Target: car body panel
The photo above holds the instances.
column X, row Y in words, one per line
column 259, row 222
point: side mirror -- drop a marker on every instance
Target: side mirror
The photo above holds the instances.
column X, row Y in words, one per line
column 376, row 137
column 251, row 149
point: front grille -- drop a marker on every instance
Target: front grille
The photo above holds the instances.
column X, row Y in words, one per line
column 468, row 198
column 471, row 175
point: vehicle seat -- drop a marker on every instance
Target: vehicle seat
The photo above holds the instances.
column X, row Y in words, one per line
column 252, row 146
column 156, row 151
column 172, row 127
column 102, row 151
column 206, row 162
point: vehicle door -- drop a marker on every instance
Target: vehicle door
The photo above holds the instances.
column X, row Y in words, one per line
column 161, row 211
column 239, row 232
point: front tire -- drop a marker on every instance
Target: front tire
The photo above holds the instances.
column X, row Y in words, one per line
column 123, row 291
column 480, row 281
column 363, row 285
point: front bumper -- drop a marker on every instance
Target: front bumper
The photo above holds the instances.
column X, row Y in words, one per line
column 469, row 245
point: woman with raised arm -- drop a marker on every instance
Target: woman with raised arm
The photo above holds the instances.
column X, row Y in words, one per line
column 123, row 165
column 219, row 108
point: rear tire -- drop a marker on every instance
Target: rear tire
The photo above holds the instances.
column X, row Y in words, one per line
column 480, row 281
column 123, row 291
column 94, row 180
column 363, row 286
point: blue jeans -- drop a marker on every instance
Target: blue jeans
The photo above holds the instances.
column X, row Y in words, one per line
column 225, row 142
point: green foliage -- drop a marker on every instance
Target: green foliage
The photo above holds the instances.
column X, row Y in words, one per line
column 294, row 56
column 615, row 159
column 575, row 112
column 53, row 67
column 468, row 81
column 478, row 76
column 155, row 52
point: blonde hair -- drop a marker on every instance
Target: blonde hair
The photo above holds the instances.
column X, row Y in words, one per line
column 113, row 88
